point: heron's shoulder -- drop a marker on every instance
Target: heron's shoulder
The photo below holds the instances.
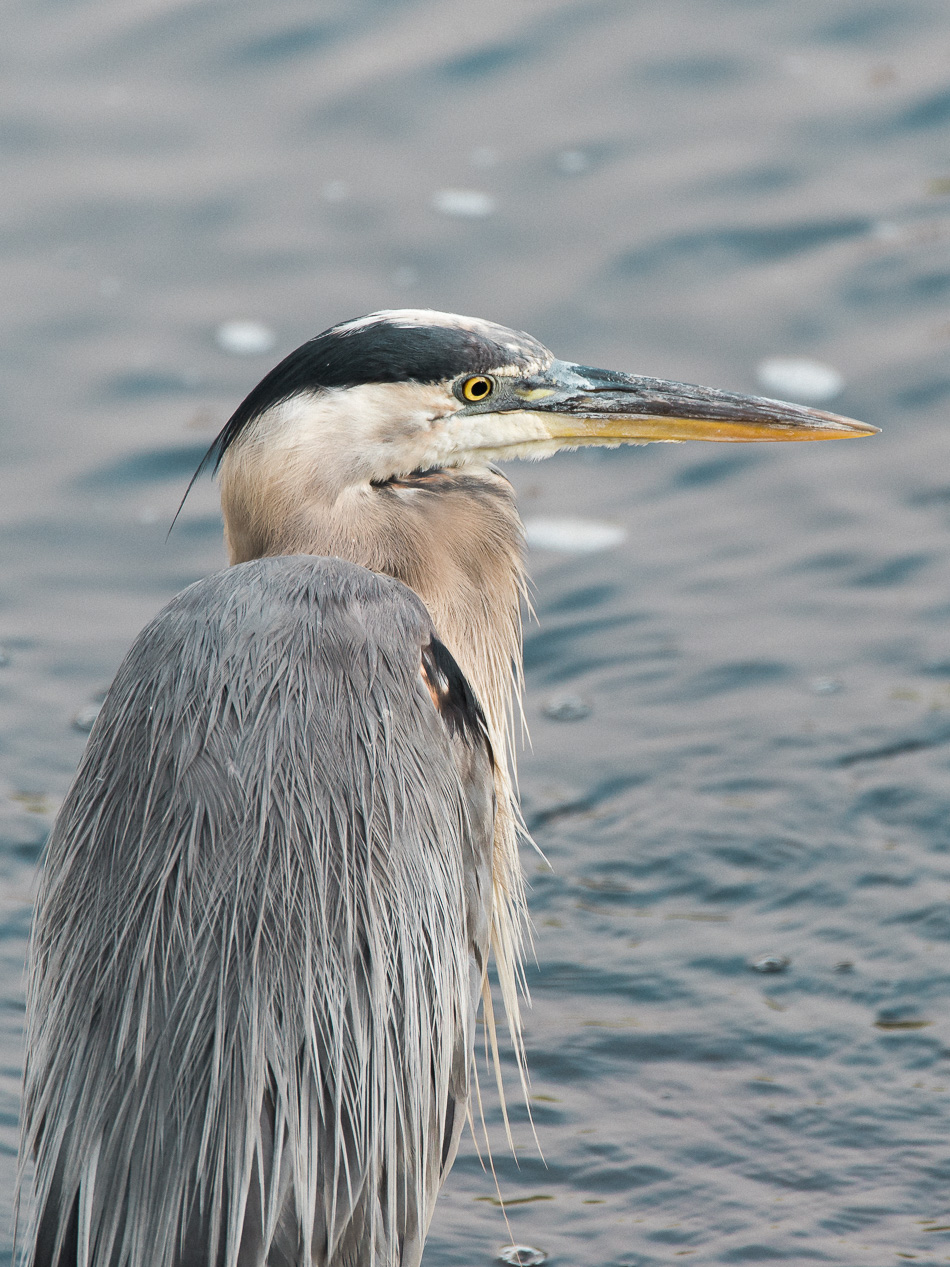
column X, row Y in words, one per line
column 258, row 623
column 305, row 586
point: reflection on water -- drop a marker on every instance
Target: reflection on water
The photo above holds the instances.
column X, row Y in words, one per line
column 739, row 705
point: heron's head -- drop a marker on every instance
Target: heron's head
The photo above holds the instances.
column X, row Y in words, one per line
column 357, row 430
column 405, row 391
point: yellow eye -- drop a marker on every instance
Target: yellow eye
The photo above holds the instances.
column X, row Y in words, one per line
column 477, row 388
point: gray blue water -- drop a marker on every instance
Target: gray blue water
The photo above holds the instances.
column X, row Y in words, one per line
column 759, row 767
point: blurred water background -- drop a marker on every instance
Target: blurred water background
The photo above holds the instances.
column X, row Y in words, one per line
column 739, row 702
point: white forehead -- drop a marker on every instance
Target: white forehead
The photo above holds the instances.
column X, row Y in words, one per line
column 410, row 318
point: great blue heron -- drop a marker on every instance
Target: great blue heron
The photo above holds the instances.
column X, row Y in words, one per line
column 270, row 894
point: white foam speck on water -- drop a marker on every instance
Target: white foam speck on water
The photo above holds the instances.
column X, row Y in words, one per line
column 464, row 203
column 522, row 1255
column 245, row 338
column 572, row 536
column 770, row 963
column 85, row 718
column 572, row 162
column 824, row 685
column 799, row 379
column 565, row 706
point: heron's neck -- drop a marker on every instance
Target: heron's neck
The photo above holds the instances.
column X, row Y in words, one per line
column 452, row 536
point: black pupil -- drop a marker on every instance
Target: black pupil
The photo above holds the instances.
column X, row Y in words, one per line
column 479, row 387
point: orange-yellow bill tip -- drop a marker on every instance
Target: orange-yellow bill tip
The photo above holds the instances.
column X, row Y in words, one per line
column 645, row 429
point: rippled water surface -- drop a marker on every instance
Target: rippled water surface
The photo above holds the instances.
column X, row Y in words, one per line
column 740, row 714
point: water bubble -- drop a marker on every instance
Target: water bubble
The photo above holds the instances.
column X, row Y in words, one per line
column 245, row 338
column 334, row 190
column 464, row 203
column 572, row 162
column 792, row 378
column 824, row 685
column 770, row 963
column 572, row 536
column 522, row 1255
column 566, row 707
column 85, row 719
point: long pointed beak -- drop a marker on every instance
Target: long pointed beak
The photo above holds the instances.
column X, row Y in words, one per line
column 584, row 406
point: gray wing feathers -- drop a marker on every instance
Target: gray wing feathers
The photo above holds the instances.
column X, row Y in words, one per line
column 260, row 938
